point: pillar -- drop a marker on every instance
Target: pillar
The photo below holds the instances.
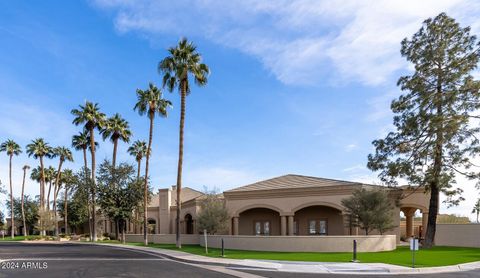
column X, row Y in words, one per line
column 235, row 226
column 424, row 223
column 290, row 225
column 409, row 232
column 283, row 225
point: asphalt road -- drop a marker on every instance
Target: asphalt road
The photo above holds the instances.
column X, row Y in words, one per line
column 74, row 260
column 83, row 260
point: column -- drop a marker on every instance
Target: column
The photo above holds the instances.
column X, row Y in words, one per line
column 424, row 223
column 283, row 225
column 290, row 225
column 409, row 222
column 235, row 226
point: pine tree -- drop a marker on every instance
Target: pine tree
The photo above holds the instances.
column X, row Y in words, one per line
column 434, row 137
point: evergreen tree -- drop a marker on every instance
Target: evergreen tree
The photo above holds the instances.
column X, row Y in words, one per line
column 434, row 138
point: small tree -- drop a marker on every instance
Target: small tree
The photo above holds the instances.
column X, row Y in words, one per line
column 30, row 209
column 119, row 192
column 370, row 210
column 213, row 215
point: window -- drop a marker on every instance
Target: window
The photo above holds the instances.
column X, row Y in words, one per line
column 318, row 227
column 312, row 224
column 262, row 228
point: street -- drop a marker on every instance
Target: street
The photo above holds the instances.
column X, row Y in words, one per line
column 85, row 260
column 75, row 260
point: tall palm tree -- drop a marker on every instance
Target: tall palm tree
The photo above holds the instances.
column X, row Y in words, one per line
column 116, row 128
column 38, row 148
column 64, row 154
column 68, row 179
column 81, row 141
column 49, row 177
column 90, row 116
column 11, row 148
column 150, row 102
column 476, row 208
column 138, row 150
column 183, row 61
column 25, row 168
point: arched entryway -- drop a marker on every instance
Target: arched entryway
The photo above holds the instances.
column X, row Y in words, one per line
column 152, row 225
column 413, row 222
column 318, row 220
column 259, row 221
column 188, row 220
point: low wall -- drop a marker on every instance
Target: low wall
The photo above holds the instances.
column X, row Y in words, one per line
column 163, row 238
column 372, row 243
column 464, row 235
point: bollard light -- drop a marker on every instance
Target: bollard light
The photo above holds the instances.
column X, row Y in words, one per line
column 223, row 249
column 355, row 251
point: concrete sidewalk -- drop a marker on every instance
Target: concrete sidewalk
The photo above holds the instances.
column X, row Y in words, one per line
column 299, row 267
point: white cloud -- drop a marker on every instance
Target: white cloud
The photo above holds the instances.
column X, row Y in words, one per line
column 300, row 42
column 350, row 147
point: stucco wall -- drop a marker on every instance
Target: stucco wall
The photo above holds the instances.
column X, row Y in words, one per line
column 334, row 218
column 164, row 238
column 304, row 243
column 465, row 235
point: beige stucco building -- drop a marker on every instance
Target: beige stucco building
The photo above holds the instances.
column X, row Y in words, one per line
column 288, row 205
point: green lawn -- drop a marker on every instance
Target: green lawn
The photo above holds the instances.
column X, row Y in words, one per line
column 437, row 256
column 8, row 238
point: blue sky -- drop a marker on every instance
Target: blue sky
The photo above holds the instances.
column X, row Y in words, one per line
column 296, row 86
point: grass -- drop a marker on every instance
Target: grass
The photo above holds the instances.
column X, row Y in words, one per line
column 9, row 238
column 437, row 256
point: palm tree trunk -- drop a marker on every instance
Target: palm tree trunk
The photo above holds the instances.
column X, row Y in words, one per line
column 66, row 210
column 114, row 159
column 135, row 225
column 48, row 195
column 180, row 163
column 42, row 194
column 138, row 168
column 92, row 150
column 55, row 191
column 145, row 189
column 23, row 209
column 12, row 217
column 86, row 178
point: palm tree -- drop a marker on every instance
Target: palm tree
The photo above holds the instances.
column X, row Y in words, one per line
column 116, row 128
column 150, row 102
column 68, row 179
column 138, row 150
column 476, row 209
column 183, row 60
column 11, row 148
column 40, row 149
column 25, row 168
column 49, row 176
column 81, row 141
column 90, row 115
column 64, row 154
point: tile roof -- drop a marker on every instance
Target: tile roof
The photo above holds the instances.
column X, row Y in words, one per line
column 292, row 181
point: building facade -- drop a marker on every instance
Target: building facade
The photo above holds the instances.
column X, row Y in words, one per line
column 288, row 205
